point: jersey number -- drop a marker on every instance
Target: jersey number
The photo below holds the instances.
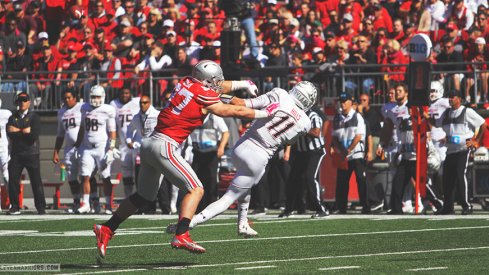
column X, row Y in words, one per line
column 69, row 122
column 278, row 128
column 187, row 97
column 125, row 118
column 91, row 124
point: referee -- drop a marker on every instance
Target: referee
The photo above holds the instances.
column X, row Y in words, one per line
column 23, row 129
column 464, row 129
column 305, row 160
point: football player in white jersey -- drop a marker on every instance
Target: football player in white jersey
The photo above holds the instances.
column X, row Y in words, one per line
column 262, row 138
column 98, row 130
column 4, row 154
column 438, row 105
column 69, row 118
column 126, row 107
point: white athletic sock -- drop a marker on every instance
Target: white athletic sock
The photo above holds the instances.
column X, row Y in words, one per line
column 243, row 206
column 86, row 199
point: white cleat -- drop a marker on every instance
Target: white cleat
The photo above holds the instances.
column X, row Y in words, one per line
column 85, row 208
column 246, row 231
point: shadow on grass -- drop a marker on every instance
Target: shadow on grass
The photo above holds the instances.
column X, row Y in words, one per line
column 95, row 266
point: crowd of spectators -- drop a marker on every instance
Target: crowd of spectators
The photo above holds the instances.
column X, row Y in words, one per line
column 62, row 42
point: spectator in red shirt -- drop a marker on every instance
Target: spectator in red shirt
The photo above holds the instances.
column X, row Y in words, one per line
column 71, row 66
column 43, row 89
column 382, row 18
column 463, row 17
column 482, row 23
column 392, row 55
column 98, row 17
column 409, row 32
column 347, row 32
column 397, row 30
column 144, row 8
column 99, row 43
column 478, row 54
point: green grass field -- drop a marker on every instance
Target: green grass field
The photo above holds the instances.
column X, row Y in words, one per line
column 377, row 244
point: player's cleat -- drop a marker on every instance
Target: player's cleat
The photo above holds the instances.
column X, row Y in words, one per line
column 103, row 235
column 184, row 241
column 171, row 228
column 320, row 214
column 85, row 208
column 246, row 231
column 286, row 214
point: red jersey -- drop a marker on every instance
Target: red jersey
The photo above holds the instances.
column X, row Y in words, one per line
column 183, row 113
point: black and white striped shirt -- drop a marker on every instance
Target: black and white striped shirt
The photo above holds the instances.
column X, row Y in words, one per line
column 307, row 142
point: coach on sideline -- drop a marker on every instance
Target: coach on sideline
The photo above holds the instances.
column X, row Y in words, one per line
column 23, row 129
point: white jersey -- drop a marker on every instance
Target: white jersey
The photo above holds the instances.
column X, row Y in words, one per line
column 4, row 116
column 142, row 125
column 69, row 124
column 435, row 110
column 124, row 115
column 284, row 127
column 401, row 118
column 96, row 123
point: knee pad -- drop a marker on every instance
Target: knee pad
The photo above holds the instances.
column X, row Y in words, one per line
column 138, row 200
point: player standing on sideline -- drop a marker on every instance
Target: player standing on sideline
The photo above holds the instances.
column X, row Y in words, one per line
column 263, row 138
column 98, row 126
column 69, row 119
column 191, row 100
column 4, row 154
column 126, row 107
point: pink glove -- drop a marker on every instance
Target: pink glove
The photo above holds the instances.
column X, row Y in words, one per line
column 251, row 88
column 272, row 109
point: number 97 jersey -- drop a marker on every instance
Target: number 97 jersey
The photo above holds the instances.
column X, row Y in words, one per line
column 97, row 122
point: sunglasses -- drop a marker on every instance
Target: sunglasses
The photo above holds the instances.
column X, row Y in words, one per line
column 144, row 102
column 23, row 99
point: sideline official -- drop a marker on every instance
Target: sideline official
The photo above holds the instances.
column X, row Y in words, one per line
column 464, row 129
column 23, row 129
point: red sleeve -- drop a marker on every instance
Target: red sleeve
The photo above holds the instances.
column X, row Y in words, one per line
column 206, row 96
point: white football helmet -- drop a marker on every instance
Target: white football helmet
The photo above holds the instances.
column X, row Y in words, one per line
column 304, row 94
column 209, row 73
column 436, row 91
column 97, row 96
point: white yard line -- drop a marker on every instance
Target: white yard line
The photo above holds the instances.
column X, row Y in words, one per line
column 258, row 239
column 427, row 268
column 108, row 271
column 340, row 257
column 339, row 267
column 255, row 267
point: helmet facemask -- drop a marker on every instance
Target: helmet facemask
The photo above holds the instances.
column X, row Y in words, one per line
column 97, row 96
column 436, row 90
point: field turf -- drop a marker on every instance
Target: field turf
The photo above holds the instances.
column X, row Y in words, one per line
column 354, row 244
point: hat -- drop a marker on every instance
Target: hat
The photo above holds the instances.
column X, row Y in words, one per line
column 108, row 47
column 168, row 23
column 453, row 93
column 348, row 17
column 216, row 43
column 126, row 23
column 42, row 35
column 409, row 25
column 329, row 34
column 88, row 45
column 22, row 97
column 272, row 2
column 344, row 96
column 452, row 26
column 377, row 7
column 480, row 41
column 20, row 44
column 292, row 38
column 317, row 50
column 273, row 21
column 18, row 7
column 294, row 22
column 99, row 30
column 168, row 33
column 110, row 13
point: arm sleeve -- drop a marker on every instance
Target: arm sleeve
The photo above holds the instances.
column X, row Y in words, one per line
column 263, row 100
column 61, row 130
column 111, row 124
column 164, row 61
column 141, row 66
column 474, row 119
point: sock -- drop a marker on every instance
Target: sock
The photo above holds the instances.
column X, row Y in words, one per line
column 182, row 226
column 86, row 199
column 243, row 206
column 113, row 223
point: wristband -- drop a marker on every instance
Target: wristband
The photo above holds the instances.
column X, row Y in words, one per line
column 260, row 114
column 112, row 144
column 236, row 85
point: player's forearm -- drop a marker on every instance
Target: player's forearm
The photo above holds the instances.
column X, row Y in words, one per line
column 58, row 143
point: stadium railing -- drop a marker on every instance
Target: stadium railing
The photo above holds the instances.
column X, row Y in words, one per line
column 330, row 77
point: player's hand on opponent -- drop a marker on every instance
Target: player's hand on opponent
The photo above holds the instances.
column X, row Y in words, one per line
column 272, row 108
column 251, row 88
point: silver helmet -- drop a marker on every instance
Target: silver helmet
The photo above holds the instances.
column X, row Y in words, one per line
column 304, row 94
column 436, row 91
column 209, row 73
column 97, row 96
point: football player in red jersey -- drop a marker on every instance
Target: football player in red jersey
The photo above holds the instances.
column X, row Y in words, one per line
column 191, row 100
